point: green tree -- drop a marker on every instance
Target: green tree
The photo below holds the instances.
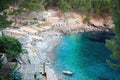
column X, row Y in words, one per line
column 16, row 13
column 4, row 4
column 64, row 6
column 10, row 46
column 114, row 43
column 3, row 21
column 33, row 5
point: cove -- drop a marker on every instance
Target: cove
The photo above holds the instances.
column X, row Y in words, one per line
column 85, row 55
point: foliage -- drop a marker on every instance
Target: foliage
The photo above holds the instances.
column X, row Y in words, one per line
column 3, row 77
column 86, row 6
column 86, row 19
column 17, row 11
column 4, row 4
column 0, row 64
column 64, row 6
column 10, row 46
column 91, row 6
column 3, row 22
column 114, row 43
column 33, row 5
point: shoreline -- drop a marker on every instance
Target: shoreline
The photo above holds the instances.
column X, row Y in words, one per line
column 44, row 49
column 39, row 40
column 80, row 29
column 40, row 48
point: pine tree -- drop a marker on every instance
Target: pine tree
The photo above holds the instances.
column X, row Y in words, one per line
column 33, row 5
column 10, row 46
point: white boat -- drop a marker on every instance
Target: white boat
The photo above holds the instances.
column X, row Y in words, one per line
column 67, row 72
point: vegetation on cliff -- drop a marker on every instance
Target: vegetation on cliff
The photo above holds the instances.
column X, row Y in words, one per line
column 10, row 46
column 114, row 43
column 86, row 6
column 4, row 4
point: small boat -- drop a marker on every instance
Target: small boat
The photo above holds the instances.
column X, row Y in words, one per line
column 67, row 72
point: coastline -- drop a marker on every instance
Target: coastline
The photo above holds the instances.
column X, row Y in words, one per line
column 39, row 42
column 51, row 55
column 40, row 48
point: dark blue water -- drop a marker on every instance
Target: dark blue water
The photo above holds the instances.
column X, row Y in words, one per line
column 85, row 55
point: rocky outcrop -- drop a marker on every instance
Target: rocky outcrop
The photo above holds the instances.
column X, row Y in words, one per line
column 82, row 28
column 75, row 23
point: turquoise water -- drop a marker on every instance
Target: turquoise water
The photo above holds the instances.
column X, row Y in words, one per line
column 85, row 57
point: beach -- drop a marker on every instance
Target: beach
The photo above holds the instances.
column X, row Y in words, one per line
column 38, row 49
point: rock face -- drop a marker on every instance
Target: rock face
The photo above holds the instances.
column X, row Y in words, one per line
column 69, row 22
column 82, row 28
column 74, row 23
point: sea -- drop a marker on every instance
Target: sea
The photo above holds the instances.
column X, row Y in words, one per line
column 84, row 54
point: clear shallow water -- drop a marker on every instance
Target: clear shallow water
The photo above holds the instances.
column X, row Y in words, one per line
column 85, row 55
